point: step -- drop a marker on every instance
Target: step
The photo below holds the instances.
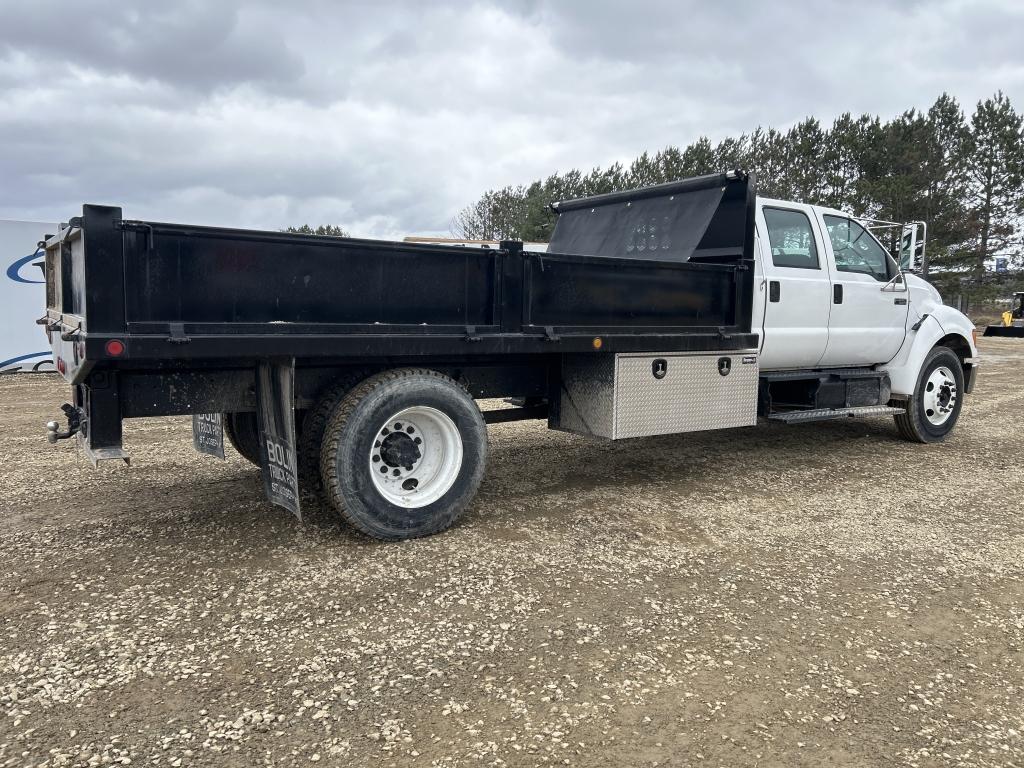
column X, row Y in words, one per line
column 823, row 414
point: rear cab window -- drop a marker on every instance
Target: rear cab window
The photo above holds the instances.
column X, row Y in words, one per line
column 791, row 239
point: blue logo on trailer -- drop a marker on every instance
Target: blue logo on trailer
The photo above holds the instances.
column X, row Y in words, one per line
column 14, row 271
column 47, row 360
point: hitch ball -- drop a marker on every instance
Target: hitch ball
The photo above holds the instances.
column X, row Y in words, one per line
column 53, row 430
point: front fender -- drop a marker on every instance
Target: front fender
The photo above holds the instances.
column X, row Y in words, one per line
column 941, row 322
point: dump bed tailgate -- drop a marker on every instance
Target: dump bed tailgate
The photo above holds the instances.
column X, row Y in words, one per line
column 64, row 321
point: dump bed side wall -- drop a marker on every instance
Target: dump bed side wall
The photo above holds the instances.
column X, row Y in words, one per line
column 594, row 293
column 209, row 278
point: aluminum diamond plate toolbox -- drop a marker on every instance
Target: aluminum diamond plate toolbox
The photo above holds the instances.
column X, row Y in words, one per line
column 640, row 394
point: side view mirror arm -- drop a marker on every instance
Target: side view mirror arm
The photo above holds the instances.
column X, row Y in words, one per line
column 896, row 284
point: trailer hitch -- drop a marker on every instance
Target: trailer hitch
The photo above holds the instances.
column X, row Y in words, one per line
column 75, row 419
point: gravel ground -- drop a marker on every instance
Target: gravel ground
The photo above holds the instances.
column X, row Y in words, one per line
column 797, row 596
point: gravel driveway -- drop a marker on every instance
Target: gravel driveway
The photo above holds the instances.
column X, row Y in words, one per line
column 823, row 594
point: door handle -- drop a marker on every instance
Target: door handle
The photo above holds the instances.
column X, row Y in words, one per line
column 837, row 293
column 774, row 288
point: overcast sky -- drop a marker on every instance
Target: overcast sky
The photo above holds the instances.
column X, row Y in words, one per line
column 387, row 118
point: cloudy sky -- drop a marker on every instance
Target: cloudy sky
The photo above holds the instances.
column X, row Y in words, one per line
column 388, row 117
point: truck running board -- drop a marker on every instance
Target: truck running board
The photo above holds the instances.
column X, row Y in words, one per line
column 824, row 414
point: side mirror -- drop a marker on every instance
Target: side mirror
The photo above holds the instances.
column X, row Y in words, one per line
column 912, row 242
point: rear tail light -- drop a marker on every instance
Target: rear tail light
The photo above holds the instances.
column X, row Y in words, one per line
column 115, row 347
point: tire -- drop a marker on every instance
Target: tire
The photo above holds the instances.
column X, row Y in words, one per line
column 243, row 433
column 438, row 473
column 314, row 425
column 927, row 419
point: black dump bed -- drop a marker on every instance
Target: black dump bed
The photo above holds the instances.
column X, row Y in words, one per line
column 666, row 268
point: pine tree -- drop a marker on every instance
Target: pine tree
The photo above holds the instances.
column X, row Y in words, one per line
column 943, row 177
column 767, row 158
column 995, row 180
column 332, row 230
column 733, row 153
column 643, row 172
column 802, row 174
column 842, row 163
column 965, row 181
column 698, row 159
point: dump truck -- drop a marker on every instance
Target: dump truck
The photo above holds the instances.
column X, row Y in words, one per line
column 348, row 369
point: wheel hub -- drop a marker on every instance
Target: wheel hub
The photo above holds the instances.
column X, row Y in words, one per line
column 398, row 449
column 415, row 457
column 939, row 396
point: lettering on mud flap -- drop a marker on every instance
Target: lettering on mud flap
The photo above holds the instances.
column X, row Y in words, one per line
column 275, row 385
column 208, row 434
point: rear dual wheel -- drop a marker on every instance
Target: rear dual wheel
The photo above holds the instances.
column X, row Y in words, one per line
column 403, row 454
column 243, row 433
column 315, row 424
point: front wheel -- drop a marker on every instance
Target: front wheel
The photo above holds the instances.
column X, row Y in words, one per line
column 933, row 409
column 403, row 454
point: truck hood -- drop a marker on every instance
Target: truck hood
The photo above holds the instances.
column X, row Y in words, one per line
column 922, row 290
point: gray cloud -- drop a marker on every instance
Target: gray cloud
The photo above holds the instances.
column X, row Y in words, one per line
column 388, row 118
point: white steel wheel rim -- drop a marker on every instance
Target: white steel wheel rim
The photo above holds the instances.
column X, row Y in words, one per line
column 415, row 457
column 938, row 400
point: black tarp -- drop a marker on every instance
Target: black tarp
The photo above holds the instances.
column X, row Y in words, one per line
column 664, row 223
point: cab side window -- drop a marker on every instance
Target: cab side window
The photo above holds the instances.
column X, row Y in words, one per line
column 791, row 238
column 855, row 249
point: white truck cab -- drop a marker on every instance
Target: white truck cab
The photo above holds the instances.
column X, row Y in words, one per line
column 828, row 295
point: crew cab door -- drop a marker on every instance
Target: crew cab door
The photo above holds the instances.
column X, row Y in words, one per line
column 870, row 301
column 794, row 289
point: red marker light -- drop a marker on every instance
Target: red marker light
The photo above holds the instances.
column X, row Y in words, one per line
column 115, row 348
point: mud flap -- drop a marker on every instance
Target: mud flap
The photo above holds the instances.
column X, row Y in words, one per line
column 275, row 407
column 208, row 434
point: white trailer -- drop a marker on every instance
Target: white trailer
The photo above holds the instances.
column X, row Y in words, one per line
column 22, row 348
